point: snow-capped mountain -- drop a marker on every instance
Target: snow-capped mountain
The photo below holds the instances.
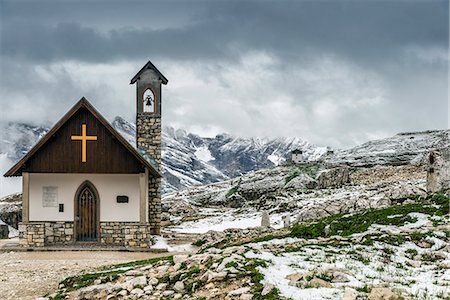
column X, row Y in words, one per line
column 187, row 159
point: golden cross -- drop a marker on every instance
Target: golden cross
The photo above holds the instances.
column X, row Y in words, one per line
column 83, row 138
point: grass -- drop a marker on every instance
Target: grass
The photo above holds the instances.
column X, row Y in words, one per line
column 311, row 171
column 346, row 225
column 109, row 273
column 232, row 191
column 199, row 243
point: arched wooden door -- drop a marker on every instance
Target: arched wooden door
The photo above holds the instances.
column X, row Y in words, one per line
column 86, row 213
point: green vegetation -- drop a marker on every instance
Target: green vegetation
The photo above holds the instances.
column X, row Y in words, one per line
column 199, row 243
column 107, row 274
column 412, row 252
column 310, row 170
column 346, row 225
column 232, row 191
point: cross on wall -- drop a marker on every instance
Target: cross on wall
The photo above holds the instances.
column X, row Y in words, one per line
column 83, row 138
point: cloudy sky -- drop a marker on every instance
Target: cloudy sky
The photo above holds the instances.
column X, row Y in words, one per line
column 333, row 72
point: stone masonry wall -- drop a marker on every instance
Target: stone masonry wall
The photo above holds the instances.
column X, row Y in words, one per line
column 149, row 139
column 40, row 234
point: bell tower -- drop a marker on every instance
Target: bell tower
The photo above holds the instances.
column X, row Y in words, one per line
column 148, row 132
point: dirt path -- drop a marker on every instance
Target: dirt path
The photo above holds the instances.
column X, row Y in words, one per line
column 28, row 275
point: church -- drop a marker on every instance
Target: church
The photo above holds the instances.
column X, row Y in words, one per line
column 83, row 183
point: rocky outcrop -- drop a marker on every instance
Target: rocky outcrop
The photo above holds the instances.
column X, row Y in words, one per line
column 334, row 177
column 11, row 210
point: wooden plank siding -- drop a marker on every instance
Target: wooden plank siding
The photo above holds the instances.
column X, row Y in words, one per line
column 60, row 154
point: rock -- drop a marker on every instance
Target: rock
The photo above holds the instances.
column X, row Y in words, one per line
column 383, row 293
column 177, row 296
column 334, row 177
column 179, row 286
column 268, row 287
column 414, row 263
column 122, row 293
column 168, row 293
column 161, row 286
column 42, row 298
column 294, row 277
column 286, row 221
column 319, row 283
column 246, row 297
column 213, row 276
column 265, row 220
column 348, row 295
column 178, row 259
column 135, row 281
column 137, row 291
column 94, row 291
column 153, row 281
column 239, row 291
column 148, row 289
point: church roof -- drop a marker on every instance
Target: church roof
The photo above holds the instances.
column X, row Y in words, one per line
column 151, row 66
column 139, row 156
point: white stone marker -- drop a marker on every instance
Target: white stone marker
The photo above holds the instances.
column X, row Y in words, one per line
column 265, row 220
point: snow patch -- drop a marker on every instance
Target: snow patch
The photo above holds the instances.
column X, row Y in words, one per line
column 203, row 154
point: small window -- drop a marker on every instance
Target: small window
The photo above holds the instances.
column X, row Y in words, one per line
column 148, row 101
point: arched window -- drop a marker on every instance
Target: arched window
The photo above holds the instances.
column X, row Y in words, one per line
column 148, row 101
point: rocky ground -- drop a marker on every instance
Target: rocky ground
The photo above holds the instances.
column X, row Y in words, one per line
column 399, row 252
column 26, row 275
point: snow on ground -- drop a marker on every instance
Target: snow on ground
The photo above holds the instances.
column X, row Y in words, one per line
column 224, row 220
column 426, row 277
column 162, row 243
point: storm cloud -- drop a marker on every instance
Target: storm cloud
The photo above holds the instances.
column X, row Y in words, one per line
column 334, row 72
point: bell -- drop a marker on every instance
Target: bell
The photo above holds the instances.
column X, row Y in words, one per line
column 148, row 101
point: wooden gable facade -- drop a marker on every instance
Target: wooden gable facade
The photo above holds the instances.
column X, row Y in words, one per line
column 61, row 150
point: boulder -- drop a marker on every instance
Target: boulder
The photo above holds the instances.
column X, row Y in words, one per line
column 383, row 293
column 178, row 286
column 319, row 283
column 268, row 287
column 334, row 177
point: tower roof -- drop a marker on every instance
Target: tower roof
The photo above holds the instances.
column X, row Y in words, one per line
column 150, row 66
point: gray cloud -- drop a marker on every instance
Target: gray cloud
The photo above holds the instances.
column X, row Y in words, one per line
column 343, row 71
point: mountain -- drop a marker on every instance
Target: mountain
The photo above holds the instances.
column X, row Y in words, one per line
column 400, row 149
column 187, row 159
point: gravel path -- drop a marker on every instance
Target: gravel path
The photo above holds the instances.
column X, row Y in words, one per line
column 28, row 275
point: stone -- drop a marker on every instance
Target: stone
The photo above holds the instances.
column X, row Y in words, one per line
column 319, row 283
column 136, row 281
column 213, row 276
column 334, row 177
column 137, row 291
column 154, row 281
column 268, row 287
column 179, row 286
column 168, row 293
column 161, row 286
column 148, row 289
column 178, row 259
column 239, row 291
column 122, row 293
column 286, row 221
column 246, row 297
column 265, row 220
column 414, row 263
column 177, row 296
column 92, row 291
column 383, row 293
column 294, row 277
column 348, row 295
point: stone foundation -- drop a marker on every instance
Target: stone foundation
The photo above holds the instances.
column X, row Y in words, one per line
column 121, row 234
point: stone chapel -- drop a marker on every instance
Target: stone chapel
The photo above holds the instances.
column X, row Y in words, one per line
column 83, row 183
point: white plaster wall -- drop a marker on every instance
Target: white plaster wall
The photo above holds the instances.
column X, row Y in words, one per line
column 297, row 158
column 109, row 186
